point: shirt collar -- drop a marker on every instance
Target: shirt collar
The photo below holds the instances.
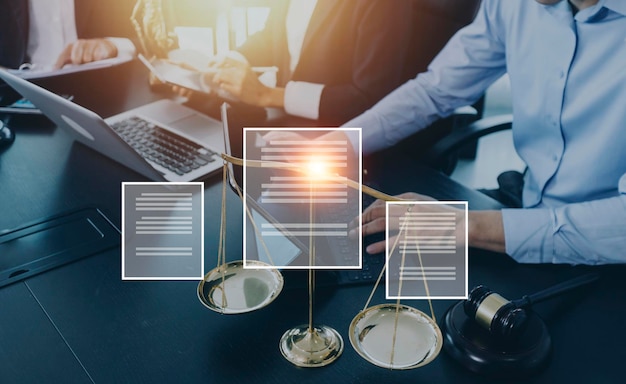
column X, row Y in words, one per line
column 563, row 10
column 600, row 10
column 618, row 6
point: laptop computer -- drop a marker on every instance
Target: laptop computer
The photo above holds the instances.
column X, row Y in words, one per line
column 163, row 140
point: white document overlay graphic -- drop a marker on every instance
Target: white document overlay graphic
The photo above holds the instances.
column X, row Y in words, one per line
column 426, row 250
column 301, row 199
column 162, row 231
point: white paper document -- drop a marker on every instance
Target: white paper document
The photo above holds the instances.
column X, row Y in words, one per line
column 31, row 72
column 162, row 231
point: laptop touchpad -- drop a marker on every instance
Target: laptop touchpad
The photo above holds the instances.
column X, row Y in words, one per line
column 165, row 111
column 202, row 129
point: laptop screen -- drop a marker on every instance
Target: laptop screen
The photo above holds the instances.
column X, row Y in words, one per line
column 281, row 249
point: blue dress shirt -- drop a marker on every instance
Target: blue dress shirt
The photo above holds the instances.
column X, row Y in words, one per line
column 568, row 83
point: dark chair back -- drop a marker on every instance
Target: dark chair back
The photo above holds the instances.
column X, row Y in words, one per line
column 435, row 21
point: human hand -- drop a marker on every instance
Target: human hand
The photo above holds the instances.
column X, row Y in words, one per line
column 154, row 81
column 194, row 64
column 85, row 51
column 192, row 59
column 178, row 78
column 239, row 80
column 374, row 220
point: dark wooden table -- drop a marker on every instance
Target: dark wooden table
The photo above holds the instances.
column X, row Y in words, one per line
column 80, row 323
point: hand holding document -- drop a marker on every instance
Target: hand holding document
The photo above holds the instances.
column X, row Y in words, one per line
column 183, row 76
column 34, row 71
column 84, row 51
column 195, row 71
column 243, row 81
column 175, row 74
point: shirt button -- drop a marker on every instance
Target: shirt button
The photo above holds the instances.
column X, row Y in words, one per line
column 555, row 158
column 561, row 74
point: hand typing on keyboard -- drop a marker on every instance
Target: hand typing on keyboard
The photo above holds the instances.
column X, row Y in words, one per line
column 374, row 220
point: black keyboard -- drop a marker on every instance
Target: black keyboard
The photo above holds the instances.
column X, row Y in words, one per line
column 371, row 267
column 162, row 146
column 341, row 248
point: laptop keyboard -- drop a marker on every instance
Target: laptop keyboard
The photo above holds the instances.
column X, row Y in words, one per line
column 340, row 247
column 162, row 146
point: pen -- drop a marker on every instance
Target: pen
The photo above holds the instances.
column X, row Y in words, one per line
column 264, row 69
column 182, row 65
column 254, row 69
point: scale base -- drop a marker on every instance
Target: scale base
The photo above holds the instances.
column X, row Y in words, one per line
column 311, row 348
column 481, row 352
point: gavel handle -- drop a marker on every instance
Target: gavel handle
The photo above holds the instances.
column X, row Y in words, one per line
column 555, row 290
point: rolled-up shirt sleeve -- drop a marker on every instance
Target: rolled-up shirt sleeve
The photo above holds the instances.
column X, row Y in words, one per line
column 592, row 232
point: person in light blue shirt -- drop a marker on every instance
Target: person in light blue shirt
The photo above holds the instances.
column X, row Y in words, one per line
column 567, row 65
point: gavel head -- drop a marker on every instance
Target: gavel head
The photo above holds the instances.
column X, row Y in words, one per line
column 501, row 317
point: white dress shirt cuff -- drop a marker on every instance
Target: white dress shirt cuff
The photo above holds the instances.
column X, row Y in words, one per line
column 303, row 99
column 528, row 234
column 125, row 47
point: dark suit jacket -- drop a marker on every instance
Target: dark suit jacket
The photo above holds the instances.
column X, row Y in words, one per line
column 101, row 18
column 94, row 18
column 13, row 32
column 356, row 48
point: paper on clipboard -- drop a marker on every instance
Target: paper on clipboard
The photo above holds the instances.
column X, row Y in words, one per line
column 39, row 73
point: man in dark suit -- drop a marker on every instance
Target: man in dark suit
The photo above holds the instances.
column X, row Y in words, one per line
column 352, row 53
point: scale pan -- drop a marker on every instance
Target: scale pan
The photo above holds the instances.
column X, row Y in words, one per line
column 231, row 289
column 418, row 339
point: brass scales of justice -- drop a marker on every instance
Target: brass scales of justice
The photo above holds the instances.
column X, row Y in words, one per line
column 390, row 335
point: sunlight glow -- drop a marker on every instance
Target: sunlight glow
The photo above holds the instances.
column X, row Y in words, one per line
column 317, row 167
